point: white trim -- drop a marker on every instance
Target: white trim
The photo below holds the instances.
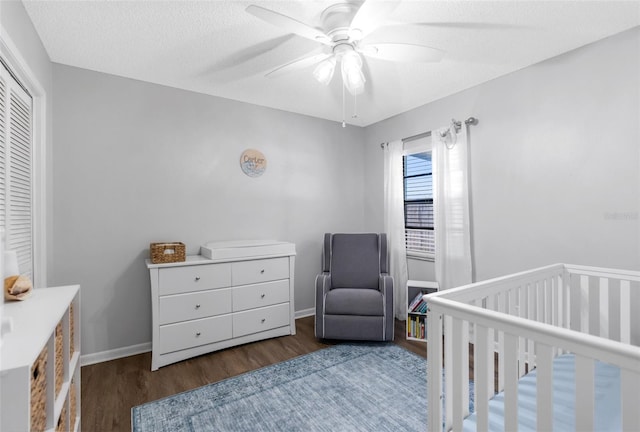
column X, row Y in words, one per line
column 103, row 356
column 305, row 313
column 11, row 55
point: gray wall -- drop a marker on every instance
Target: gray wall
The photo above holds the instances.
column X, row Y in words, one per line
column 555, row 160
column 137, row 163
column 17, row 26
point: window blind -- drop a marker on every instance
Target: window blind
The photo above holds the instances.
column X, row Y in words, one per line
column 16, row 176
column 418, row 204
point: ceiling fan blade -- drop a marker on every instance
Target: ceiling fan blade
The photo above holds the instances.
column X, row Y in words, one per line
column 370, row 16
column 298, row 64
column 456, row 25
column 402, row 52
column 288, row 24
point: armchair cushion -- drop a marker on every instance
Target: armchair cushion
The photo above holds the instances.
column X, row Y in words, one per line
column 354, row 261
column 354, row 301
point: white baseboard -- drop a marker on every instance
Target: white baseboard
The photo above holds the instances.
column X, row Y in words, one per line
column 305, row 313
column 103, row 356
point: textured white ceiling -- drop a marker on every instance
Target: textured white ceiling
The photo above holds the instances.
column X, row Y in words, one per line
column 216, row 48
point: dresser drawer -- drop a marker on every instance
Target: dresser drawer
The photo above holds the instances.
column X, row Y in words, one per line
column 189, row 334
column 257, row 320
column 202, row 304
column 176, row 280
column 259, row 295
column 256, row 271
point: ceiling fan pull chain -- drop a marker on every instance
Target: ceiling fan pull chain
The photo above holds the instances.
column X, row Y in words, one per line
column 343, row 108
column 355, row 106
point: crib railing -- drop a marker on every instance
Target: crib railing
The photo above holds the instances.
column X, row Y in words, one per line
column 521, row 322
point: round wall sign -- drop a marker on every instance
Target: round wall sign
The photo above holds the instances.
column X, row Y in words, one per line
column 253, row 163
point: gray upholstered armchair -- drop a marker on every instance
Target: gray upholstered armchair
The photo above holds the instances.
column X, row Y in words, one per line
column 354, row 292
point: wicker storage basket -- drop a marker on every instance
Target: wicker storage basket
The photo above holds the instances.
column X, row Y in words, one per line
column 39, row 392
column 62, row 421
column 167, row 252
column 71, row 331
column 73, row 405
column 59, row 360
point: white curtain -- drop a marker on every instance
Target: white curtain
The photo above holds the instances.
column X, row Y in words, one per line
column 451, row 207
column 394, row 225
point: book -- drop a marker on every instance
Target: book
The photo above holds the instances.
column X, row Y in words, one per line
column 417, row 299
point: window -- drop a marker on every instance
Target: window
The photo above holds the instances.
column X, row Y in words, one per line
column 16, row 169
column 418, row 205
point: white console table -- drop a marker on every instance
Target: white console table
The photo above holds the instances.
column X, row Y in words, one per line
column 203, row 305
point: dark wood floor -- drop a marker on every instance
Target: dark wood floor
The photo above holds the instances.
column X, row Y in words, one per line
column 111, row 389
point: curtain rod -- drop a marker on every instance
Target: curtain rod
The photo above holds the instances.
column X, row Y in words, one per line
column 471, row 121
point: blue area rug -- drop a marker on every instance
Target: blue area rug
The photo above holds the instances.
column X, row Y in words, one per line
column 352, row 387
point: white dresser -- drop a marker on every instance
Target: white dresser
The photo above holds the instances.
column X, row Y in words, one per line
column 203, row 305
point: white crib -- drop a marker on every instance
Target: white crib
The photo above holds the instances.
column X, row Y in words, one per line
column 519, row 326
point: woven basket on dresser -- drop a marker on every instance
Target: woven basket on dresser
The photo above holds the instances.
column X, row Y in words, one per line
column 162, row 253
column 39, row 392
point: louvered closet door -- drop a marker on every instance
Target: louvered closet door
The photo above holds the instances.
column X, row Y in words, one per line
column 16, row 162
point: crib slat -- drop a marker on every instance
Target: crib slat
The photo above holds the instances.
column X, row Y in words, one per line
column 434, row 370
column 548, row 307
column 492, row 344
column 625, row 311
column 465, row 369
column 482, row 375
column 556, row 296
column 555, row 301
column 540, row 298
column 548, row 304
column 531, row 302
column 604, row 307
column 544, row 387
column 584, row 304
column 566, row 300
column 501, row 308
column 634, row 305
column 511, row 383
column 614, row 309
column 594, row 310
column 630, row 381
column 522, row 304
column 457, row 365
column 584, row 393
column 448, row 371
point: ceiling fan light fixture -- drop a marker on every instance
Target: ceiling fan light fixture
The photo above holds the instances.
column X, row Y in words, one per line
column 352, row 75
column 324, row 70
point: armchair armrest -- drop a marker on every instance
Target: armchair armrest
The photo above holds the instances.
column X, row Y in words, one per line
column 385, row 285
column 323, row 285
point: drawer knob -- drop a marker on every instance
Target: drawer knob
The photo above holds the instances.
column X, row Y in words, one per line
column 262, row 271
column 197, row 278
column 197, row 306
column 262, row 296
column 198, row 334
column 263, row 320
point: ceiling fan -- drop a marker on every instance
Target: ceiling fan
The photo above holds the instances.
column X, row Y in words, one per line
column 345, row 27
